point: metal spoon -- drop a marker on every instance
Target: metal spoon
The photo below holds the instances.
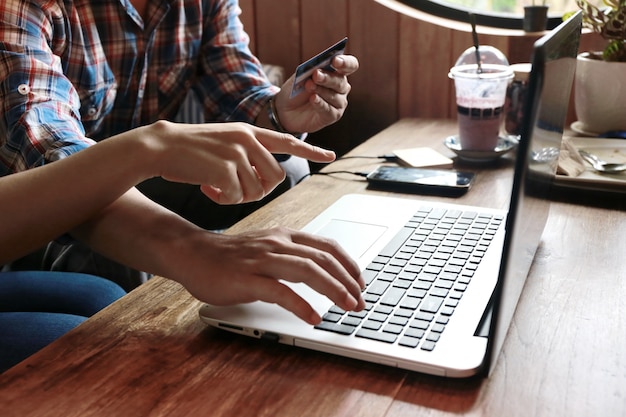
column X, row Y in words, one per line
column 600, row 165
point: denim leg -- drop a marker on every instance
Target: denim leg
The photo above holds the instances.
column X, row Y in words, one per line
column 24, row 333
column 37, row 307
column 56, row 292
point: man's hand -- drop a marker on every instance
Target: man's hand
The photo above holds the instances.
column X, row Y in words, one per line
column 322, row 103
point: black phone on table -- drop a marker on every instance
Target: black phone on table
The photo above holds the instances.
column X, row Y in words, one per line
column 421, row 180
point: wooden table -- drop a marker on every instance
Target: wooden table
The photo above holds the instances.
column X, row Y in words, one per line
column 149, row 354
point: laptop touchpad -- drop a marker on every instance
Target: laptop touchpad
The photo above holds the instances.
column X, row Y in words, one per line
column 356, row 238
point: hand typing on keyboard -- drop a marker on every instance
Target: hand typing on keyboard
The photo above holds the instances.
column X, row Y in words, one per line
column 265, row 257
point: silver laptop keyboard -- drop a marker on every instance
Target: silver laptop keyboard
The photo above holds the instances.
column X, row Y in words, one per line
column 414, row 285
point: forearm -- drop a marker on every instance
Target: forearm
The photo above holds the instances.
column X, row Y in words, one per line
column 41, row 204
column 141, row 234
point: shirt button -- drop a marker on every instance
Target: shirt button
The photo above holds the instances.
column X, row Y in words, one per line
column 23, row 89
column 92, row 111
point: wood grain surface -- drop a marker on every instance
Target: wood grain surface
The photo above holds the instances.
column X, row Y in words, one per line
column 149, row 354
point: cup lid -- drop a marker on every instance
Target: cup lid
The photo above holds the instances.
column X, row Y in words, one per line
column 489, row 72
column 488, row 55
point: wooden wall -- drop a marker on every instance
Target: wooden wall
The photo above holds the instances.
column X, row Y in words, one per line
column 404, row 56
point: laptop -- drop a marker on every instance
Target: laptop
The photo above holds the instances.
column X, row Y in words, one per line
column 443, row 279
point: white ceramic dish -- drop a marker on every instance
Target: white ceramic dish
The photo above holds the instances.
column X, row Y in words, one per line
column 505, row 144
column 611, row 150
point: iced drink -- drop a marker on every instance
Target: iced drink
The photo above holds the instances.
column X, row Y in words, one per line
column 480, row 100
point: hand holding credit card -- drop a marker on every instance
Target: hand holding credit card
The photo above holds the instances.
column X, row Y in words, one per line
column 320, row 61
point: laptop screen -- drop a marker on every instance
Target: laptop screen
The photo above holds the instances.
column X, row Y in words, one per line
column 550, row 83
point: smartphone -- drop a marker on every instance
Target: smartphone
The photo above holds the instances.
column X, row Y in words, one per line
column 322, row 60
column 421, row 180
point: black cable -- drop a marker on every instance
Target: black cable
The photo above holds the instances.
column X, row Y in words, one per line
column 357, row 173
column 387, row 157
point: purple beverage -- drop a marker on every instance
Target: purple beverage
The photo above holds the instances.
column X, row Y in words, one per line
column 479, row 128
column 480, row 101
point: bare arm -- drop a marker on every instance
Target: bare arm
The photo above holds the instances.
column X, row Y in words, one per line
column 230, row 161
column 88, row 194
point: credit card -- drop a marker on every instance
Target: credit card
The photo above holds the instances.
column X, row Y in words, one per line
column 321, row 60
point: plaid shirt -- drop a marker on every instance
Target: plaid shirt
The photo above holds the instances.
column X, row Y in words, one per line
column 73, row 71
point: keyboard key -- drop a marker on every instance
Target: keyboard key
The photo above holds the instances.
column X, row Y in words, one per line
column 456, row 295
column 381, row 259
column 386, row 276
column 404, row 312
column 360, row 314
column 442, row 283
column 422, row 315
column 433, row 337
column 431, row 304
column 393, row 296
column 332, row 317
column 377, row 287
column 336, row 309
column 398, row 320
column 410, row 303
column 393, row 328
column 428, row 345
column 437, row 213
column 372, row 325
column 439, row 292
column 447, row 311
column 379, row 336
column 378, row 317
column 420, row 324
column 400, row 261
column 424, row 276
column 457, row 262
column 397, row 242
column 409, row 342
column 335, row 327
column 402, row 283
column 437, row 328
column 376, row 266
column 351, row 321
column 451, row 302
column 407, row 275
column 371, row 298
column 391, row 269
column 386, row 310
column 448, row 275
column 368, row 276
column 416, row 292
column 414, row 332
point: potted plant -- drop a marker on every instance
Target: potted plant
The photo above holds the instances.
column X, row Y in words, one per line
column 535, row 17
column 600, row 83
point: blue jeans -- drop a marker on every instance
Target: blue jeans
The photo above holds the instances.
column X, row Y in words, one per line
column 37, row 307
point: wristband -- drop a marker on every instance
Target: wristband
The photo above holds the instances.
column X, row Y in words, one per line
column 273, row 116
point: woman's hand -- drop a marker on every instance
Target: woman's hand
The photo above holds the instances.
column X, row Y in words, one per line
column 226, row 270
column 232, row 162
